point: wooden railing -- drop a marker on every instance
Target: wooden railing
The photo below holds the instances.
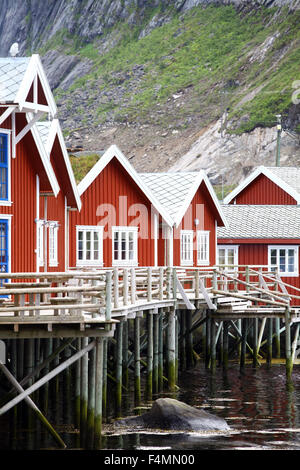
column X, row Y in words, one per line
column 104, row 292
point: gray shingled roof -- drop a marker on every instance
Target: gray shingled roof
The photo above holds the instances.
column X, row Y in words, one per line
column 12, row 70
column 290, row 175
column 170, row 189
column 253, row 221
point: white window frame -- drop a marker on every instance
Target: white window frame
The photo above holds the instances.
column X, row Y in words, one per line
column 235, row 256
column 126, row 261
column 40, row 230
column 7, row 202
column 295, row 248
column 53, row 243
column 203, row 238
column 187, row 260
column 92, row 261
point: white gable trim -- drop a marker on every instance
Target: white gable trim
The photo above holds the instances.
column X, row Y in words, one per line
column 46, row 162
column 200, row 177
column 112, row 152
column 268, row 173
column 34, row 70
column 67, row 161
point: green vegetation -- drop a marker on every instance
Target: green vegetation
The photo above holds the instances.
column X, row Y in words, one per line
column 214, row 51
column 82, row 165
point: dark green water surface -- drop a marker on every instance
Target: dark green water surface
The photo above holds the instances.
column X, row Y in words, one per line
column 261, row 408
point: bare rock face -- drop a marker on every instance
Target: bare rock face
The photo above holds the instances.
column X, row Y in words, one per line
column 170, row 414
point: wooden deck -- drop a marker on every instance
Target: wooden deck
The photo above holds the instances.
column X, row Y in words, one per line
column 90, row 303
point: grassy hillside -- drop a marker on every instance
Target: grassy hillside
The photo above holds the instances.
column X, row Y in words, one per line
column 246, row 63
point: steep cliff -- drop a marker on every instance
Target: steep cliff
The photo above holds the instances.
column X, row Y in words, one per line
column 175, row 83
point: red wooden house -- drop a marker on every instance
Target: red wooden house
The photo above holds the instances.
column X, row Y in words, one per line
column 196, row 213
column 118, row 222
column 27, row 169
column 264, row 223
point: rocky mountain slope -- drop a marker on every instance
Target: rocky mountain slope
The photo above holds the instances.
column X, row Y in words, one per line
column 177, row 84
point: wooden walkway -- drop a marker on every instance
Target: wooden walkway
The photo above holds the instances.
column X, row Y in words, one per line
column 92, row 307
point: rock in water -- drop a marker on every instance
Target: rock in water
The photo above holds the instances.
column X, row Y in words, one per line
column 167, row 413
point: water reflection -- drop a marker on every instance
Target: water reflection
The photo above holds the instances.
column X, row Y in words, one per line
column 261, row 410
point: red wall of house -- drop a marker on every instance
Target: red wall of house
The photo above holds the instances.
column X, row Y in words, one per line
column 257, row 254
column 263, row 191
column 203, row 209
column 111, row 183
column 23, row 208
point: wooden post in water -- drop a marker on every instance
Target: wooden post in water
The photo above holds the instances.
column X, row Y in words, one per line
column 244, row 326
column 225, row 344
column 176, row 345
column 277, row 338
column 118, row 367
column 149, row 355
column 255, row 342
column 104, row 392
column 189, row 340
column 91, row 399
column 288, row 350
column 207, row 342
column 137, row 361
column 171, row 349
column 125, row 355
column 77, row 386
column 155, row 352
column 84, row 393
column 213, row 354
column 182, row 315
column 98, row 393
column 269, row 342
column 160, row 350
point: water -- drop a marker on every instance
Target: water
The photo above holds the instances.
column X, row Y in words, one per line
column 257, row 403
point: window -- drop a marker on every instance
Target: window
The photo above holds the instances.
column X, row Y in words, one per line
column 186, row 247
column 202, row 247
column 40, row 242
column 124, row 247
column 285, row 258
column 89, row 245
column 228, row 256
column 4, row 170
column 53, row 235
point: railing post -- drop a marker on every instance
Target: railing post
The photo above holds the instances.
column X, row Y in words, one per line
column 247, row 279
column 161, row 283
column 108, row 291
column 116, row 288
column 133, row 286
column 197, row 284
column 149, row 284
column 125, row 286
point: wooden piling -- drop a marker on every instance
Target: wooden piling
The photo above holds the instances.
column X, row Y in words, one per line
column 269, row 342
column 77, row 386
column 225, row 345
column 207, row 342
column 149, row 385
column 277, row 338
column 91, row 399
column 213, row 353
column 288, row 351
column 244, row 326
column 160, row 351
column 137, row 361
column 118, row 367
column 155, row 352
column 98, row 393
column 255, row 343
column 104, row 391
column 83, row 392
column 171, row 350
column 189, row 340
